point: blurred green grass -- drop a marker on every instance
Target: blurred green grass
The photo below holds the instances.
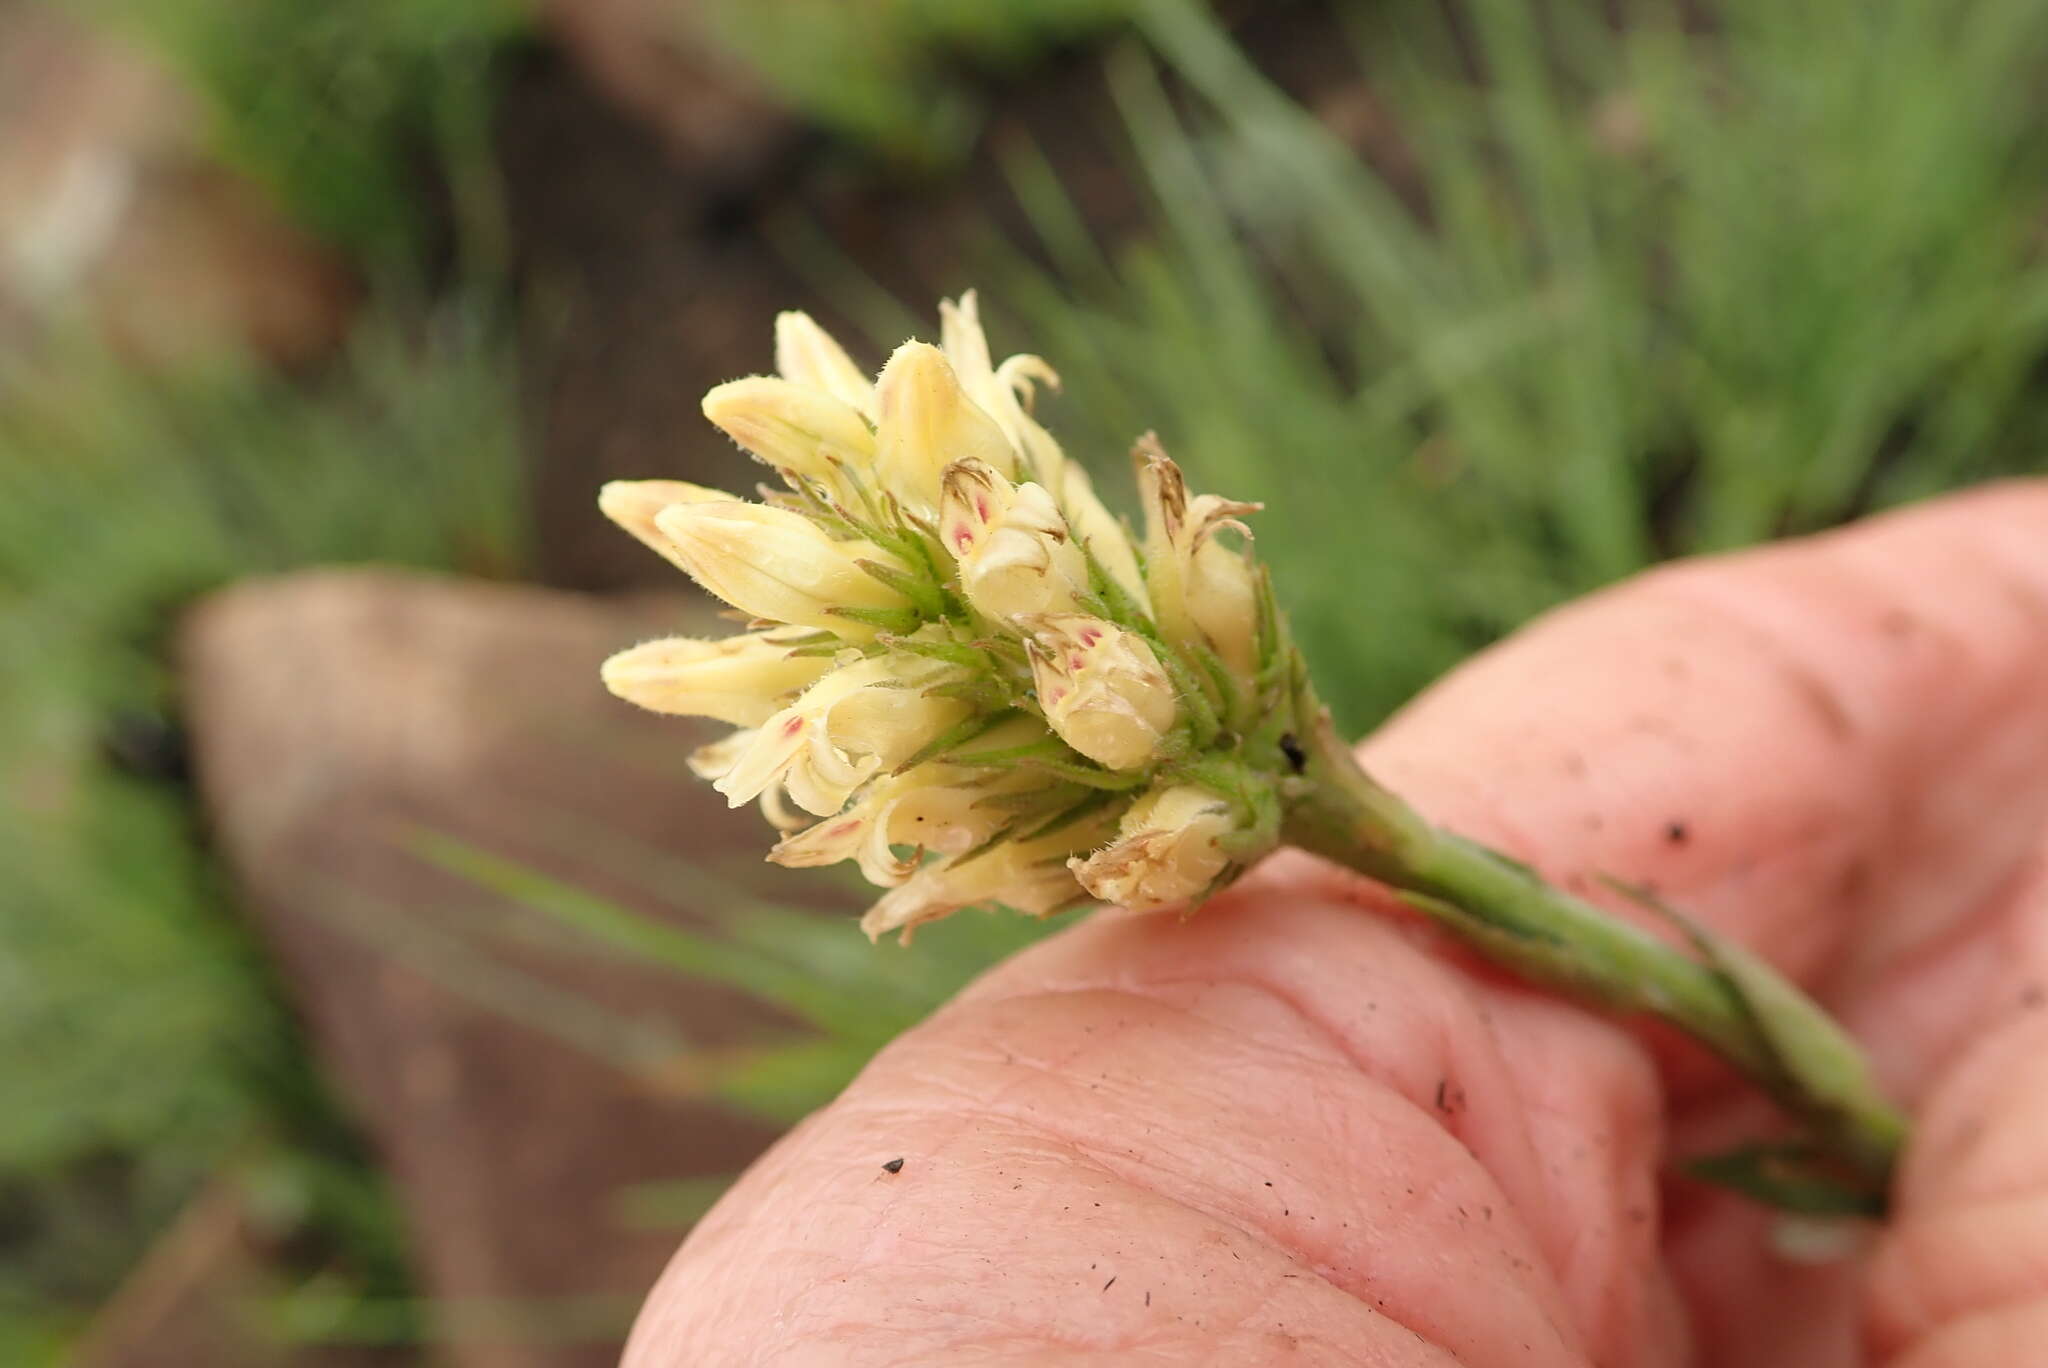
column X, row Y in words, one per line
column 1597, row 296
column 144, row 1049
column 1617, row 296
column 902, row 79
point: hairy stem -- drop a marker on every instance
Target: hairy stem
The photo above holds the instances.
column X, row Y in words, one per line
column 1734, row 1005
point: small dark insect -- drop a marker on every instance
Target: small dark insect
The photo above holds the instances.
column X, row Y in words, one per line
column 893, row 1166
column 1297, row 758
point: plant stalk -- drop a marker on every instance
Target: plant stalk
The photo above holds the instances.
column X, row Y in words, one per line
column 1726, row 999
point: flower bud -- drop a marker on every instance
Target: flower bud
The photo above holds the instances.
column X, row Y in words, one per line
column 737, row 679
column 1203, row 593
column 1002, row 392
column 1011, row 543
column 795, row 429
column 634, row 505
column 806, row 354
column 1102, row 689
column 1030, row 876
column 858, row 721
column 926, row 423
column 1223, row 601
column 1169, row 848
column 777, row 565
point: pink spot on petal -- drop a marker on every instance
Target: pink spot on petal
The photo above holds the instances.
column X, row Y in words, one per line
column 792, row 727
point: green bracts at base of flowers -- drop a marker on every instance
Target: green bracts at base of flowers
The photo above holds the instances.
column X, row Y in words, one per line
column 986, row 690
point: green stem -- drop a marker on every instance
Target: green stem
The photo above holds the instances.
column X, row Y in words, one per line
column 1735, row 1006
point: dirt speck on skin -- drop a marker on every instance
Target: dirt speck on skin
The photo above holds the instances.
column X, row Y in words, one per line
column 1111, row 1283
column 893, row 1166
column 1677, row 833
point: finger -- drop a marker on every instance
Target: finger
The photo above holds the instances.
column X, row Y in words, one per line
column 1259, row 1161
column 1965, row 1260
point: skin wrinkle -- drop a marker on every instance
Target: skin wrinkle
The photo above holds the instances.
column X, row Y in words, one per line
column 1451, row 1121
column 1150, row 1176
column 1612, row 1314
column 2006, row 1338
column 1960, row 1156
column 1956, row 1263
column 1458, row 1012
column 1040, row 1334
column 1439, row 1033
column 1990, row 937
column 1099, row 1160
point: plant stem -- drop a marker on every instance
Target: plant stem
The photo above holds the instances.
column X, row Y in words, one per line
column 1728, row 1001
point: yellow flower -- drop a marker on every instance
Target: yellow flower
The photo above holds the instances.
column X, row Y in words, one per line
column 1169, row 849
column 1015, row 554
column 806, row 354
column 936, row 808
column 926, row 423
column 634, row 505
column 796, row 429
column 736, row 679
column 1101, row 688
column 860, row 720
column 777, row 564
column 1203, row 593
column 1001, row 391
column 1030, row 876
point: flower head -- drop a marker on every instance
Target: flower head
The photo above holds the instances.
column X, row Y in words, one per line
column 960, row 664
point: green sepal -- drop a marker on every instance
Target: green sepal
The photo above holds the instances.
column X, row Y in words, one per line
column 918, row 589
column 951, row 652
column 953, row 737
column 1791, row 1177
column 1820, row 1061
column 885, row 619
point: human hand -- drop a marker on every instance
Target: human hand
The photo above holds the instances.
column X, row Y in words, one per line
column 1296, row 1130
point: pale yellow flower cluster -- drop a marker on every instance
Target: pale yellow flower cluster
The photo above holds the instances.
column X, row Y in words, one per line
column 977, row 681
